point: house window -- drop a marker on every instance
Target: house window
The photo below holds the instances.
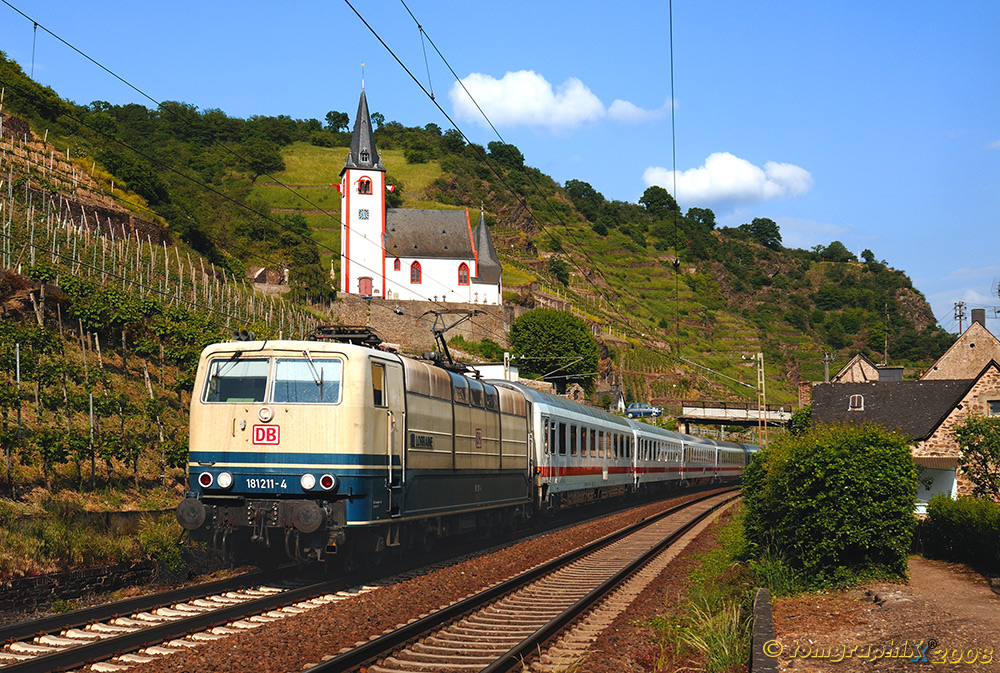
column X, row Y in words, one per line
column 463, row 274
column 994, row 406
column 364, row 186
column 857, row 403
column 395, row 264
column 415, row 272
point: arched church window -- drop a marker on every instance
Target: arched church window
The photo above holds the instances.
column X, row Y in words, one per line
column 415, row 272
column 364, row 186
column 395, row 264
column 364, row 156
column 463, row 274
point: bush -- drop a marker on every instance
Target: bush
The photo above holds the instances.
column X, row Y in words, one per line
column 966, row 530
column 836, row 503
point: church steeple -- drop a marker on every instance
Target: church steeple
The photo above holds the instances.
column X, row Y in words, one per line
column 363, row 153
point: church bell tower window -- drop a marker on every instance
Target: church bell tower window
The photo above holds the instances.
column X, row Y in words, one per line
column 364, row 186
column 365, row 157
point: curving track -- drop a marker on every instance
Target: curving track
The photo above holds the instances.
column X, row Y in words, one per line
column 507, row 625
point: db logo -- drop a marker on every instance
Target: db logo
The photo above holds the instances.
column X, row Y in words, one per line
column 266, row 434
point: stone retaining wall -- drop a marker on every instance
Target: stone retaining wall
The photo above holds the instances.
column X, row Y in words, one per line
column 30, row 593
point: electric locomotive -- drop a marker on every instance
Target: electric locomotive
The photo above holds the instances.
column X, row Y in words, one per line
column 323, row 450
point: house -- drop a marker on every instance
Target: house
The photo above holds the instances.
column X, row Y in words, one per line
column 406, row 253
column 969, row 354
column 926, row 410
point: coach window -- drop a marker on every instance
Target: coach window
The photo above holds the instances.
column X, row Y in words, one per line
column 573, row 434
column 554, row 441
column 378, row 384
column 562, row 439
column 617, row 445
column 600, row 443
column 460, row 388
column 593, row 443
column 475, row 393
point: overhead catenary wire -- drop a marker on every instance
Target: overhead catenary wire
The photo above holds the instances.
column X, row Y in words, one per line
column 521, row 200
column 162, row 107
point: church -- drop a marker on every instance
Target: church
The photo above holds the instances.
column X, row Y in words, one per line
column 407, row 253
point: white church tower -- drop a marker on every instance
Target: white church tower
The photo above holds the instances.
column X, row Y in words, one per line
column 362, row 212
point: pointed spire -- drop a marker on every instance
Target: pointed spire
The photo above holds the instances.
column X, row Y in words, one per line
column 363, row 153
column 489, row 262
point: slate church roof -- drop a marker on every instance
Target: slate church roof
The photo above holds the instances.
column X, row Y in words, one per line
column 489, row 263
column 363, row 152
column 440, row 234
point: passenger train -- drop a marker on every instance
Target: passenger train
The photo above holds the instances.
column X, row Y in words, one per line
column 329, row 451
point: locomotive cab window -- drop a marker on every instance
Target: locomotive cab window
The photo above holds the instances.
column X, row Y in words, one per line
column 236, row 380
column 301, row 380
column 378, row 385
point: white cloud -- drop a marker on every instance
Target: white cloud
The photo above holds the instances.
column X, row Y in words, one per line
column 729, row 181
column 528, row 99
column 994, row 145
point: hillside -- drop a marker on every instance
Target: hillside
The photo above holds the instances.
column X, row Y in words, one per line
column 679, row 303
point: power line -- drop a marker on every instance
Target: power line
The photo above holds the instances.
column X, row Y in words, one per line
column 521, row 201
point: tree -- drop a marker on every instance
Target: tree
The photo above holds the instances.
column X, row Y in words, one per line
column 555, row 346
column 765, row 231
column 703, row 217
column 587, row 200
column 378, row 119
column 506, row 155
column 658, row 202
column 978, row 438
column 838, row 252
column 559, row 269
column 452, row 141
column 337, row 121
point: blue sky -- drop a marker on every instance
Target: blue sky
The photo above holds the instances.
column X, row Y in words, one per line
column 876, row 124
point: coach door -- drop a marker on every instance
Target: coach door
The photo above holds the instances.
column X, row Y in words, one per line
column 390, row 422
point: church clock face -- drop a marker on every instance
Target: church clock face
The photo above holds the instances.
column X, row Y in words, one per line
column 362, row 213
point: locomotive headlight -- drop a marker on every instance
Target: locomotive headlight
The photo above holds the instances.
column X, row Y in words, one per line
column 328, row 482
column 205, row 479
column 225, row 480
column 308, row 482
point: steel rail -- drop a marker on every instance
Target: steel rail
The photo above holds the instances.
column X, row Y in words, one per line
column 77, row 656
column 97, row 613
column 530, row 646
column 386, row 643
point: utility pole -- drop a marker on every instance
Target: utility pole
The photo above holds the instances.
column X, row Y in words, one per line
column 959, row 314
column 761, row 401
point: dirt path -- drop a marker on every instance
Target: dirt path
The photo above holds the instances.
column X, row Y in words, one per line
column 885, row 627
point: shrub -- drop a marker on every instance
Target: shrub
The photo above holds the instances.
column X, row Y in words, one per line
column 965, row 530
column 836, row 503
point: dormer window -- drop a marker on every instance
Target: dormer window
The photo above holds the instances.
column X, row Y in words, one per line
column 364, row 186
column 857, row 403
column 365, row 156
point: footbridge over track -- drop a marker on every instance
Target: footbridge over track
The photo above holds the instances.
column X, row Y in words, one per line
column 745, row 415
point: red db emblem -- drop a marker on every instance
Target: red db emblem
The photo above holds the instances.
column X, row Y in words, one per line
column 267, row 434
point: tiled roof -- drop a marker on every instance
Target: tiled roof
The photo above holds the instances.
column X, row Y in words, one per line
column 915, row 408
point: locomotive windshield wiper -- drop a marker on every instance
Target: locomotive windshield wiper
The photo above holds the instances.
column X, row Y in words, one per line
column 317, row 374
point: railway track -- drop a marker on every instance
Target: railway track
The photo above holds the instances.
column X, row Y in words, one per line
column 117, row 636
column 120, row 635
column 509, row 624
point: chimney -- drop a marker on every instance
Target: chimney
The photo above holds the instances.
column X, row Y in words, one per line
column 979, row 316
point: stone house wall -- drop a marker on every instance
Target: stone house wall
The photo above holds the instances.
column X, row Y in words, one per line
column 941, row 443
column 967, row 356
